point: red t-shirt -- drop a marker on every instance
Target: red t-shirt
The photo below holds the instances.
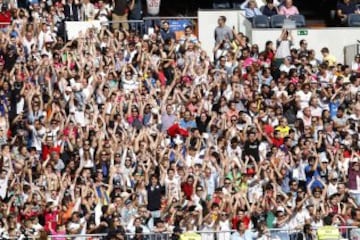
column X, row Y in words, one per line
column 187, row 189
column 46, row 150
column 277, row 142
column 236, row 219
column 51, row 219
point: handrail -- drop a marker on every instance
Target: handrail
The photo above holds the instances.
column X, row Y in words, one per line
column 123, row 21
column 79, row 235
column 199, row 232
column 169, row 18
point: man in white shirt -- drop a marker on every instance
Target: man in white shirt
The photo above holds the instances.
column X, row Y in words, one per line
column 4, row 179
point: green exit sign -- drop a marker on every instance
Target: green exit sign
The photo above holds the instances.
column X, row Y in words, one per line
column 302, row 32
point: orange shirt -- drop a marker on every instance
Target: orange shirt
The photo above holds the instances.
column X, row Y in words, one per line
column 64, row 216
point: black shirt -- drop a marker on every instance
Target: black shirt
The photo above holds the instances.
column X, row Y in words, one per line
column 252, row 149
column 202, row 126
column 154, row 197
column 120, row 7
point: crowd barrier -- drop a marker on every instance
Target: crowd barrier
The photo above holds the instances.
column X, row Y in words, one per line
column 347, row 233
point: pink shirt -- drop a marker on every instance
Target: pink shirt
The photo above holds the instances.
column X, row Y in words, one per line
column 288, row 11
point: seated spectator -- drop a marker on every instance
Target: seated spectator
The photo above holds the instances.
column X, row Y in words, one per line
column 288, row 9
column 270, row 9
column 262, row 3
column 251, row 10
column 344, row 8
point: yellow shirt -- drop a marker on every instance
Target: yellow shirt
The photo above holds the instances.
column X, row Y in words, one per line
column 328, row 233
column 330, row 59
column 284, row 131
column 190, row 236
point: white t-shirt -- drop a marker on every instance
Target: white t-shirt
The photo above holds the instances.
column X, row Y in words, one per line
column 37, row 137
column 153, row 7
column 304, row 98
column 173, row 187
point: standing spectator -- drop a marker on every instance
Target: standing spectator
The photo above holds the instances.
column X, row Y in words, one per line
column 152, row 10
column 222, row 31
column 136, row 13
column 283, row 44
column 71, row 11
column 87, row 11
column 154, row 194
column 120, row 13
column 288, row 9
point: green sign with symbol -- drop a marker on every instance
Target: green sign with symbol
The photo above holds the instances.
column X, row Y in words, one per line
column 302, row 32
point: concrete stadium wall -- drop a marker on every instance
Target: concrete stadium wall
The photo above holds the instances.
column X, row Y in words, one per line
column 336, row 39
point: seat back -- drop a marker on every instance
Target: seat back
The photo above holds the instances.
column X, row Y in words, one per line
column 277, row 21
column 354, row 20
column 299, row 20
column 261, row 21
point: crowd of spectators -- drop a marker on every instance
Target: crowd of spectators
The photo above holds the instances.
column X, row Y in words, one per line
column 116, row 132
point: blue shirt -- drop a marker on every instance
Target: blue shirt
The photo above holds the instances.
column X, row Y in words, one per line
column 310, row 174
column 333, row 107
column 187, row 124
column 249, row 12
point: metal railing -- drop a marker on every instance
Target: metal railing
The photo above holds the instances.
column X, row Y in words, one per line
column 347, row 232
column 141, row 26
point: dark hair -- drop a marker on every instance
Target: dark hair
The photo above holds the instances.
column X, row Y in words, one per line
column 223, row 18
